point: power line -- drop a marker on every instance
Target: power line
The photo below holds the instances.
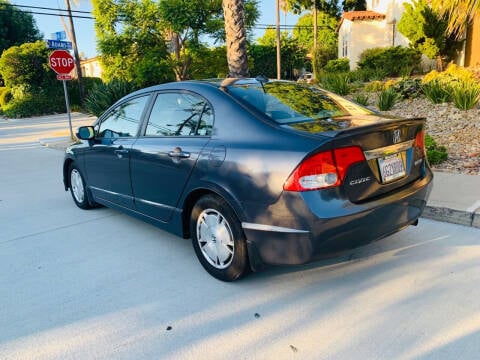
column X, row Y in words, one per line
column 13, row 7
column 51, row 14
column 257, row 26
column 47, row 8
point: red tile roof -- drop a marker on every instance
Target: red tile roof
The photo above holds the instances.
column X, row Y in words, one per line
column 362, row 15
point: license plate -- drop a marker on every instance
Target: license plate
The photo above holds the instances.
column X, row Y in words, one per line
column 391, row 167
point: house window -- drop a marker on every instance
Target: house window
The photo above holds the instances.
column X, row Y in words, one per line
column 344, row 47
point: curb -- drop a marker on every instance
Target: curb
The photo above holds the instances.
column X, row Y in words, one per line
column 58, row 143
column 458, row 217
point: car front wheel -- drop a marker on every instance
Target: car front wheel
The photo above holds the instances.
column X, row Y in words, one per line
column 78, row 188
column 218, row 239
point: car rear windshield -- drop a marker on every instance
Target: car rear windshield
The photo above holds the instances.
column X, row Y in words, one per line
column 289, row 102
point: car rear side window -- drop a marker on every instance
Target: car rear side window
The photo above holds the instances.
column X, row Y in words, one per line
column 124, row 120
column 180, row 114
column 286, row 102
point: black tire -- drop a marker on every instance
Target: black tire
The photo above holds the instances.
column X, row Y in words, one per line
column 220, row 245
column 78, row 188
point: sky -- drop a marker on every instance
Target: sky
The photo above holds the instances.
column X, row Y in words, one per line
column 84, row 28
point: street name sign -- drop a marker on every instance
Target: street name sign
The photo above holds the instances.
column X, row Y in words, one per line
column 57, row 44
column 59, row 35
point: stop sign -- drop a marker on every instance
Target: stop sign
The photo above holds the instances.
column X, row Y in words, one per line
column 61, row 61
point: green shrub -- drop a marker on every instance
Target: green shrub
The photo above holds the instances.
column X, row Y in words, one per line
column 387, row 98
column 74, row 92
column 374, row 86
column 409, row 88
column 102, row 96
column 337, row 83
column 437, row 91
column 435, row 154
column 378, row 74
column 5, row 96
column 393, row 61
column 337, row 66
column 40, row 103
column 363, row 75
column 361, row 98
column 465, row 95
column 322, row 55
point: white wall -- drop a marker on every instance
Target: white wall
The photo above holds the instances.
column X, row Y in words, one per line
column 365, row 34
column 392, row 9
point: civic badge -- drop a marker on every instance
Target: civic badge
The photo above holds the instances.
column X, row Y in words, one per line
column 397, row 136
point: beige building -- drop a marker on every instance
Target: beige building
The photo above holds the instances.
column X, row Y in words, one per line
column 91, row 67
column 472, row 43
column 375, row 27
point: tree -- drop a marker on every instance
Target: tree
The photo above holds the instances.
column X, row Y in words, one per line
column 32, row 84
column 269, row 37
column 150, row 41
column 18, row 27
column 27, row 65
column 186, row 20
column 292, row 55
column 427, row 31
column 236, row 38
column 208, row 62
column 327, row 35
column 131, row 41
column 459, row 14
column 326, row 6
column 354, row 5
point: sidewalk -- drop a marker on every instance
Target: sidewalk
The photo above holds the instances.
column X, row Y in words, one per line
column 455, row 198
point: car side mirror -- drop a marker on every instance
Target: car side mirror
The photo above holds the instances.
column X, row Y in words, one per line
column 85, row 133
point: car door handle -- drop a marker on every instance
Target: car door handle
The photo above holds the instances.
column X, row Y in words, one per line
column 120, row 153
column 178, row 153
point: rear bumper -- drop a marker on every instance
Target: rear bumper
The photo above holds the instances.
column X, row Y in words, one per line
column 313, row 225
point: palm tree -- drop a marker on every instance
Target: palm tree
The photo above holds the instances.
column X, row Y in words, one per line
column 459, row 12
column 236, row 38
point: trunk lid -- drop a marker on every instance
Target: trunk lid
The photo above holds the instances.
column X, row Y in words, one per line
column 393, row 150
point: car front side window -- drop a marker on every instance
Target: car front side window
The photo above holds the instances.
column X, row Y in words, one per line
column 124, row 120
column 180, row 114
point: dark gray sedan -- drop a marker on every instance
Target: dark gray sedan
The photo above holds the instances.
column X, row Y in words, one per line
column 255, row 172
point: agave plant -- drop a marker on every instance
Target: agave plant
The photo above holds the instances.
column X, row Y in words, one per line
column 387, row 99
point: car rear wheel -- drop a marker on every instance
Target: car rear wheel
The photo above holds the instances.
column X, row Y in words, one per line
column 78, row 188
column 218, row 239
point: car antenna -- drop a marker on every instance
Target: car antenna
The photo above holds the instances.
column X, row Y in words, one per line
column 262, row 79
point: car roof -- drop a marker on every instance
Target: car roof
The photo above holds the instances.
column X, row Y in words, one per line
column 188, row 84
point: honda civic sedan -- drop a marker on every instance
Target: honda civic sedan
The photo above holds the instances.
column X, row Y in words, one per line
column 255, row 172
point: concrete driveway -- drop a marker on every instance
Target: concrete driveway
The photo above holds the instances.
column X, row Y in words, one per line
column 100, row 285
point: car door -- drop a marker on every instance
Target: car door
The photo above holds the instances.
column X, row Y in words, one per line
column 107, row 160
column 178, row 127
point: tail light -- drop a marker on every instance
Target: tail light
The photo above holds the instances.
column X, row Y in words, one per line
column 323, row 170
column 420, row 142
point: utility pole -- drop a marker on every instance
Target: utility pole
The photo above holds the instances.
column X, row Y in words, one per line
column 315, row 27
column 73, row 38
column 279, row 70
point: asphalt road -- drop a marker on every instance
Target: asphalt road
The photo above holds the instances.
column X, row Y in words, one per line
column 97, row 284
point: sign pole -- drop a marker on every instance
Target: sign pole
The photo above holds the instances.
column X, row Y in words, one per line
column 63, row 63
column 68, row 108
